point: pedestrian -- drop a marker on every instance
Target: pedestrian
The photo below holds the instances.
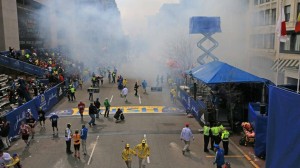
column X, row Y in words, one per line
column 15, row 162
column 113, row 75
column 24, row 132
column 173, row 95
column 5, row 128
column 68, row 138
column 144, row 85
column 27, row 115
column 225, row 140
column 206, row 134
column 109, row 76
column 91, row 94
column 76, row 141
column 5, row 159
column 119, row 115
column 127, row 155
column 219, row 158
column 72, row 91
column 42, row 117
column 81, row 107
column 124, row 93
column 83, row 137
column 92, row 112
column 32, row 122
column 80, row 82
column 143, row 151
column 124, row 82
column 54, row 120
column 107, row 107
column 136, row 87
column 186, row 136
column 97, row 105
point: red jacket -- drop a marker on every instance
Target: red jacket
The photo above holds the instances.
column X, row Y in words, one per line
column 81, row 107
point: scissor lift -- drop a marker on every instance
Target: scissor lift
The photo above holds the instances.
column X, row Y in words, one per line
column 207, row 26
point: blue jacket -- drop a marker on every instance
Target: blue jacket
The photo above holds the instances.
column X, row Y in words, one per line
column 219, row 160
column 83, row 133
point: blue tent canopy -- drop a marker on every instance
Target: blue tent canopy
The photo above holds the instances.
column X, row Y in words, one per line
column 219, row 72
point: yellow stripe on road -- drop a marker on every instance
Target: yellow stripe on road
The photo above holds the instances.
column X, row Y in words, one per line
column 126, row 109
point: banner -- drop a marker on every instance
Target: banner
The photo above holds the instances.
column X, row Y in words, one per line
column 190, row 104
column 47, row 100
column 21, row 66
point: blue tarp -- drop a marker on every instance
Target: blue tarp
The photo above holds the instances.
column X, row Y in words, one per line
column 220, row 72
column 283, row 135
column 201, row 24
column 259, row 123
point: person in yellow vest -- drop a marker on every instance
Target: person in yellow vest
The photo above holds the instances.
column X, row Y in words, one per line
column 127, row 155
column 76, row 139
column 72, row 90
column 124, row 82
column 215, row 138
column 221, row 128
column 225, row 140
column 206, row 133
column 143, row 151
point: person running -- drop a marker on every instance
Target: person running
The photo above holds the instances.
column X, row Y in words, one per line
column 83, row 137
column 76, row 138
column 24, row 132
column 107, row 107
column 42, row 117
column 32, row 122
column 143, row 151
column 127, row 155
column 81, row 107
column 68, row 138
column 54, row 120
column 124, row 93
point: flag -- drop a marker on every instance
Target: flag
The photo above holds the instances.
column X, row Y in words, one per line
column 297, row 27
column 281, row 27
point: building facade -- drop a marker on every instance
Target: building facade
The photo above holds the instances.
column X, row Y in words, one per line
column 264, row 42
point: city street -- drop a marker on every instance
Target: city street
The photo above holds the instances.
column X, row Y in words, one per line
column 107, row 139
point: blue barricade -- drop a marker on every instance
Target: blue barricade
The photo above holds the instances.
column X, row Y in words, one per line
column 21, row 66
column 47, row 100
column 190, row 104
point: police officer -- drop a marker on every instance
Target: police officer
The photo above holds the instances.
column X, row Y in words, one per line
column 225, row 140
column 215, row 138
column 206, row 133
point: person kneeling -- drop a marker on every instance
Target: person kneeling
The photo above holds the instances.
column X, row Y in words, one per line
column 119, row 116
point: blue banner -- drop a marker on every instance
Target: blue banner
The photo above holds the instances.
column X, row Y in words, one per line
column 190, row 104
column 21, row 66
column 47, row 100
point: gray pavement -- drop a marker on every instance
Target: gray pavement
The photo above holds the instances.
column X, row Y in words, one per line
column 162, row 131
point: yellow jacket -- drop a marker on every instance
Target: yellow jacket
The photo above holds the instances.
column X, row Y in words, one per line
column 142, row 152
column 14, row 162
column 127, row 154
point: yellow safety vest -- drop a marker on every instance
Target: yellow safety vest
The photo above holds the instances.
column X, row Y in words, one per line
column 225, row 135
column 206, row 130
column 215, row 131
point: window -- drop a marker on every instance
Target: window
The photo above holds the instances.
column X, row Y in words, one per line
column 297, row 43
column 267, row 0
column 267, row 17
column 273, row 16
column 272, row 40
column 287, row 45
column 287, row 12
column 261, row 18
column 262, row 1
column 255, row 2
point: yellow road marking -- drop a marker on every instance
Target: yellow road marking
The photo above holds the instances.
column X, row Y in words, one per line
column 253, row 164
column 247, row 157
